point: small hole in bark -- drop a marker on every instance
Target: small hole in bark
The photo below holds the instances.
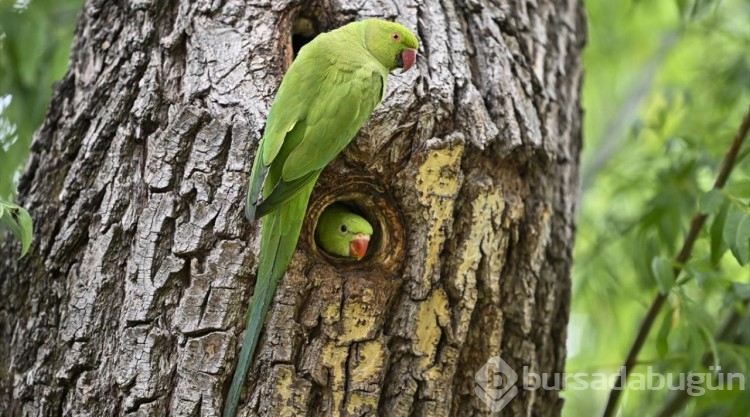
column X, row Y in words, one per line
column 364, row 196
column 303, row 32
column 312, row 18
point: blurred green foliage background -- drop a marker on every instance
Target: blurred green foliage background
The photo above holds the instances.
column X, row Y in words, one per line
column 667, row 84
column 35, row 40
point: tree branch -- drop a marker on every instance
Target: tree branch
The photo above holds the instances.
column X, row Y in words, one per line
column 687, row 247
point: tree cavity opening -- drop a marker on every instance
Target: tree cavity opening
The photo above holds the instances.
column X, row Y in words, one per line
column 368, row 199
column 303, row 31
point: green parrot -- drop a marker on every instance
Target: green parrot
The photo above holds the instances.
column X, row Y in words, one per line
column 343, row 233
column 326, row 96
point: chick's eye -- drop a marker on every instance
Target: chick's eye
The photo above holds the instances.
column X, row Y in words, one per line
column 343, row 228
column 395, row 37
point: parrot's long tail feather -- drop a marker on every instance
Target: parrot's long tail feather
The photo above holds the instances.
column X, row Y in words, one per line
column 279, row 234
column 264, row 290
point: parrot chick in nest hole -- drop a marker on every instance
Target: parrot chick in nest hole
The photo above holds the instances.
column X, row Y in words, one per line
column 340, row 232
column 326, row 96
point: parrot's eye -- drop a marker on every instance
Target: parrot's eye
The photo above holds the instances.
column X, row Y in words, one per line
column 396, row 37
column 343, row 228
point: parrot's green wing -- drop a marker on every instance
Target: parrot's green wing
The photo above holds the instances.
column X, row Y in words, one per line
column 283, row 192
column 345, row 101
column 285, row 125
column 269, row 148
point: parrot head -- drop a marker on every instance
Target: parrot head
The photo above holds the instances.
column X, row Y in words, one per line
column 343, row 233
column 392, row 44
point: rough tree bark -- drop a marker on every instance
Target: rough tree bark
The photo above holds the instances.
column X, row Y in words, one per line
column 132, row 301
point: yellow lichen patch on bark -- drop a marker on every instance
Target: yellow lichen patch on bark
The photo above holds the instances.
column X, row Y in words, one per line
column 480, row 242
column 438, row 183
column 284, row 390
column 367, row 372
column 540, row 235
column 485, row 209
column 333, row 357
column 331, row 314
column 365, row 368
column 360, row 403
column 432, row 315
column 358, row 319
column 370, row 361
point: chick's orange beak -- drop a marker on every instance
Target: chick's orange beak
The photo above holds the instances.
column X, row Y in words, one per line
column 358, row 246
column 408, row 58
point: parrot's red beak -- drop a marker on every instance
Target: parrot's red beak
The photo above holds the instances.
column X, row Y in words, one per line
column 358, row 246
column 408, row 58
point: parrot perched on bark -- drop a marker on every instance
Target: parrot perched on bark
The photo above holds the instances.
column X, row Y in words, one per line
column 340, row 232
column 326, row 96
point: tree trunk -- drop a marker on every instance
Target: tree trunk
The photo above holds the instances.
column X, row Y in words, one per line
column 132, row 301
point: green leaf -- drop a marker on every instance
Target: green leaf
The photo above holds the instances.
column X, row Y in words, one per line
column 681, row 5
column 16, row 219
column 737, row 233
column 696, row 345
column 741, row 290
column 742, row 245
column 661, row 268
column 704, row 273
column 738, row 188
column 27, row 227
column 701, row 329
column 9, row 222
column 662, row 338
column 710, row 202
column 736, row 355
column 718, row 247
column 701, row 8
column 708, row 336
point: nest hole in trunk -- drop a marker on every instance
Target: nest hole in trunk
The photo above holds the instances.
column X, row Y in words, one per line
column 366, row 197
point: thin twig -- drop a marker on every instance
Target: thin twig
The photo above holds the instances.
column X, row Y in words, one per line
column 687, row 248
